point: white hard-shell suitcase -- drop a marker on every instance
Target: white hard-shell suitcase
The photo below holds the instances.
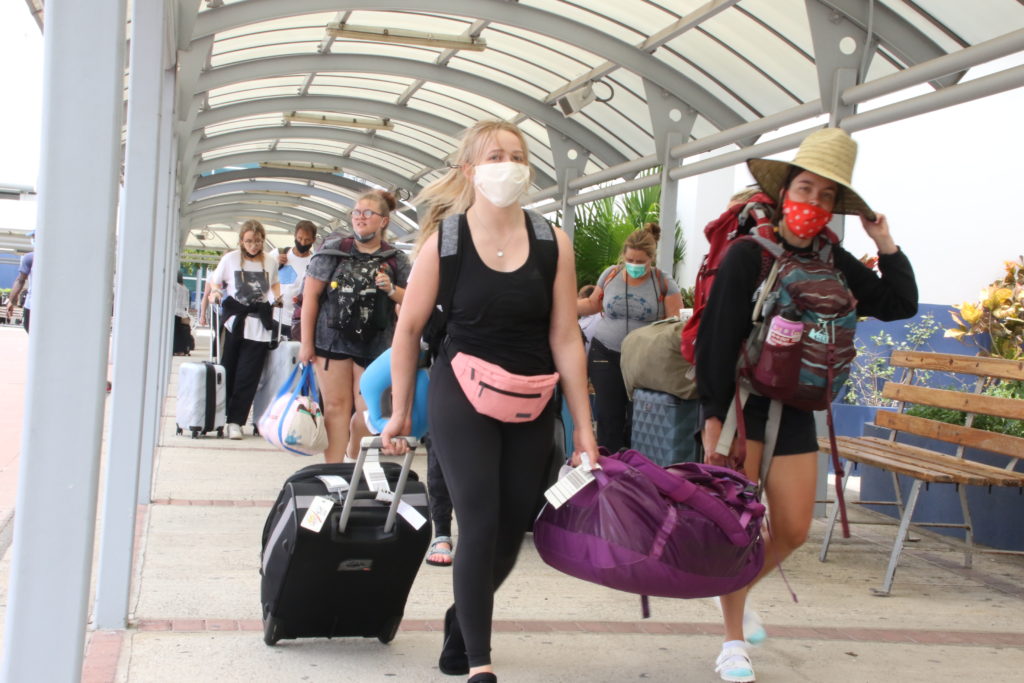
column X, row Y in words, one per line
column 202, row 401
column 276, row 370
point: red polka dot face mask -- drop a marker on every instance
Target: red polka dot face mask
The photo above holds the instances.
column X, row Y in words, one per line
column 804, row 220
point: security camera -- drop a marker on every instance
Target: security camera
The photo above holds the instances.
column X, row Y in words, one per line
column 573, row 101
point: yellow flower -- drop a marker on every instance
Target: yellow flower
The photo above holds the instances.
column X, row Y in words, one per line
column 971, row 313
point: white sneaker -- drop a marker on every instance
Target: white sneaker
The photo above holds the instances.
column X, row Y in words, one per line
column 733, row 664
column 233, row 431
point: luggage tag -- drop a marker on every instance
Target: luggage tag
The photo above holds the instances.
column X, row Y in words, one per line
column 316, row 515
column 407, row 512
column 373, row 472
column 571, row 482
column 333, row 483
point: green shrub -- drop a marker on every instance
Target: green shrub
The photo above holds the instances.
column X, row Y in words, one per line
column 1000, row 425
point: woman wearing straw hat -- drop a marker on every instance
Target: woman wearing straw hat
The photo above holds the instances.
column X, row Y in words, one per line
column 808, row 190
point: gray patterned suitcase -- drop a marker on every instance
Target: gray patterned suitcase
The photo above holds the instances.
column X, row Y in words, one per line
column 664, row 426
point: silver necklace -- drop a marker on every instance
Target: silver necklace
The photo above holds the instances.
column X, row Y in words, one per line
column 501, row 251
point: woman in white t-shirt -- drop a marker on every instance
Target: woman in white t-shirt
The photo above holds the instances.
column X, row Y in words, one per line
column 246, row 283
column 292, row 266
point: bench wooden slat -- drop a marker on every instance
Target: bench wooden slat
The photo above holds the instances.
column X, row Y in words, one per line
column 1004, row 444
column 955, row 400
column 890, row 464
column 967, row 365
column 988, row 475
column 886, row 451
column 922, row 463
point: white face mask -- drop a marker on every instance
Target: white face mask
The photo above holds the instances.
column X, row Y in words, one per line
column 502, row 183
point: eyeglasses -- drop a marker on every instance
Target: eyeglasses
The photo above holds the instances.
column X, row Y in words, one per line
column 252, row 243
column 366, row 213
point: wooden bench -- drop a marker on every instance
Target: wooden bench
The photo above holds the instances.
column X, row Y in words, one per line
column 927, row 467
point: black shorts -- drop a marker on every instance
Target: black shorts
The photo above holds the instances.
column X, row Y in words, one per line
column 797, row 431
column 334, row 355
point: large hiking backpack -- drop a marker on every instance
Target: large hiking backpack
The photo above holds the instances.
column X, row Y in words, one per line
column 805, row 287
column 356, row 308
column 735, row 222
column 449, row 233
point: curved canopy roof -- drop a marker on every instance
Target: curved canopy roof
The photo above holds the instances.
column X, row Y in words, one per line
column 290, row 110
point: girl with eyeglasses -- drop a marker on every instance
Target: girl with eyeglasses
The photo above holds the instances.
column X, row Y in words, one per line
column 338, row 357
column 246, row 279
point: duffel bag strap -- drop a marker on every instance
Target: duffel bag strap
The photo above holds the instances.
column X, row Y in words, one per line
column 680, row 490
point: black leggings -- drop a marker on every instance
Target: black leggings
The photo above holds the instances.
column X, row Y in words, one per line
column 243, row 365
column 437, row 492
column 494, row 472
column 612, row 408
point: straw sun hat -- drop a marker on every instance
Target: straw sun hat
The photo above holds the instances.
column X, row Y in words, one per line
column 830, row 153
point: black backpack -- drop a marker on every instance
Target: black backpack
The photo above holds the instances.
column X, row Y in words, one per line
column 356, row 308
column 448, row 236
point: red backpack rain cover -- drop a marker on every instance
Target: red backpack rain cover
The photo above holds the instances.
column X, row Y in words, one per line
column 738, row 220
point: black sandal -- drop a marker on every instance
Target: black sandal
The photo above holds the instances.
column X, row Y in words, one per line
column 453, row 660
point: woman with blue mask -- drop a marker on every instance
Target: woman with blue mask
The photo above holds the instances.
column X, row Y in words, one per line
column 629, row 295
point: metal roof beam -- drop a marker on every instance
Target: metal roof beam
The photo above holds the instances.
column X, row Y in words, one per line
column 269, row 186
column 282, row 205
column 306, row 174
column 498, row 11
column 383, row 176
column 895, row 33
column 510, row 97
column 320, row 133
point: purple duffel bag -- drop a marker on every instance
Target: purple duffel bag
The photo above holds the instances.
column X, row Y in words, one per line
column 686, row 531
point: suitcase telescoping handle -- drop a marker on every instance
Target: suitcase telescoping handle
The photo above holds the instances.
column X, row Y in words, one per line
column 374, row 443
column 215, row 350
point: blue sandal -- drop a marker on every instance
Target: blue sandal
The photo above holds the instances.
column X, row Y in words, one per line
column 444, row 552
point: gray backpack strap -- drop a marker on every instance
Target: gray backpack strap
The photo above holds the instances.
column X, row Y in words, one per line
column 771, row 437
column 448, row 244
column 541, row 228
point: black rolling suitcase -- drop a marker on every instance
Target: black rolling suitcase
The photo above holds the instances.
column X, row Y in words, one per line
column 352, row 578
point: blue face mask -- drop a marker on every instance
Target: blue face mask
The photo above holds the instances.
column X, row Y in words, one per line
column 636, row 270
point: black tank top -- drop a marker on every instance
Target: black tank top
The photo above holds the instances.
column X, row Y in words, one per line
column 503, row 318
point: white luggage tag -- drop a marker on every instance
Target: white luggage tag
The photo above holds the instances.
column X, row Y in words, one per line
column 373, row 472
column 316, row 515
column 333, row 483
column 571, row 482
column 409, row 513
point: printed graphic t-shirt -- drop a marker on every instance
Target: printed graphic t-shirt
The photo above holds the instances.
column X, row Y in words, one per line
column 247, row 282
column 628, row 308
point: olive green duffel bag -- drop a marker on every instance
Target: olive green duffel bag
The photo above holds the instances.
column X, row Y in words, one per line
column 651, row 360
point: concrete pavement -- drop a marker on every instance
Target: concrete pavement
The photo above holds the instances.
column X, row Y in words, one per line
column 195, row 612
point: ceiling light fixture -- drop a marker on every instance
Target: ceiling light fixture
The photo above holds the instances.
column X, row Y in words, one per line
column 387, row 35
column 342, row 122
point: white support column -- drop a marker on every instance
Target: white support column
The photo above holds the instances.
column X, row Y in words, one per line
column 134, row 304
column 671, row 120
column 570, row 161
column 68, row 348
column 158, row 360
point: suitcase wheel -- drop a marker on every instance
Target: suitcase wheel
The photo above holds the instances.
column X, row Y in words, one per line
column 177, row 430
column 271, row 631
column 388, row 631
column 220, row 432
column 255, row 430
column 195, row 433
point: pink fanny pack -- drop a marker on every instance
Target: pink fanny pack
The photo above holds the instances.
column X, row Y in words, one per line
column 497, row 393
